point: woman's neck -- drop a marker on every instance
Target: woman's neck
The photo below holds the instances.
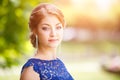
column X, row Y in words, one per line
column 46, row 53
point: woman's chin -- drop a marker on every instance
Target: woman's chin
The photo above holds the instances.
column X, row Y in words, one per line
column 53, row 45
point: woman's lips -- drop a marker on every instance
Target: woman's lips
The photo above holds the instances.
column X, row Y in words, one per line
column 53, row 40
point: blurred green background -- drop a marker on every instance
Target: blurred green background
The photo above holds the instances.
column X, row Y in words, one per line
column 92, row 31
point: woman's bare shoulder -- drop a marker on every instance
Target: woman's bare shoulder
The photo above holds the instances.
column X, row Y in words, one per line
column 29, row 74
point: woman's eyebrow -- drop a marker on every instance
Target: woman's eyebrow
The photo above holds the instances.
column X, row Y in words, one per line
column 58, row 24
column 45, row 24
column 49, row 25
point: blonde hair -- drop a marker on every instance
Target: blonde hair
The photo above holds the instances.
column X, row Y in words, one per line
column 38, row 13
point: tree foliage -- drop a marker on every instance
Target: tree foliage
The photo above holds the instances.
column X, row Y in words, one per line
column 14, row 29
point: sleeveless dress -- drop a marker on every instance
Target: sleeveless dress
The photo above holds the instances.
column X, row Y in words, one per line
column 49, row 69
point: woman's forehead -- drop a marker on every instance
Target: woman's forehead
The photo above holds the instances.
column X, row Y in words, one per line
column 50, row 19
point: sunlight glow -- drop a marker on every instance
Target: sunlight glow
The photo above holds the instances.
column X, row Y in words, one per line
column 101, row 8
column 104, row 5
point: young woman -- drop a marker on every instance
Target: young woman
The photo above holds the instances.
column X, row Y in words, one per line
column 46, row 24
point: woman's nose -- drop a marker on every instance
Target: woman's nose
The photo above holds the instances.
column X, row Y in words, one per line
column 53, row 33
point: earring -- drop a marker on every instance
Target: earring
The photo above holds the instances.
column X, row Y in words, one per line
column 36, row 41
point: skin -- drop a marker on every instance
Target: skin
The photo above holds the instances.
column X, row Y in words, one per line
column 50, row 32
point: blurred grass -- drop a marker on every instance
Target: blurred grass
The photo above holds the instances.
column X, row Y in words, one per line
column 80, row 59
column 84, row 59
column 12, row 73
column 90, row 70
column 10, row 77
column 94, row 47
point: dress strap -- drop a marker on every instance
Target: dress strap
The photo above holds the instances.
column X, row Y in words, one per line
column 31, row 62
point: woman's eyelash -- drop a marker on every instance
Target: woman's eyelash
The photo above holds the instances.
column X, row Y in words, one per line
column 59, row 27
column 45, row 28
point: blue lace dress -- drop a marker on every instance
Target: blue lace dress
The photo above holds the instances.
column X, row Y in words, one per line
column 49, row 69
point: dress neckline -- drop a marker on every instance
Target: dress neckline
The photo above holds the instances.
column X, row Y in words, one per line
column 44, row 59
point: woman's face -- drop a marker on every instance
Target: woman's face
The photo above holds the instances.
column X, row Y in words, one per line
column 50, row 31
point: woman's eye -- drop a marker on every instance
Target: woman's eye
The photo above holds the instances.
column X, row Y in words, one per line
column 58, row 27
column 45, row 28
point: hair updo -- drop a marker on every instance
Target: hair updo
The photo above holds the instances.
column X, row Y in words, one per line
column 38, row 13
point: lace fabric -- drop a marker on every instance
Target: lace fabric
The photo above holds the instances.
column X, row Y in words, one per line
column 49, row 69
